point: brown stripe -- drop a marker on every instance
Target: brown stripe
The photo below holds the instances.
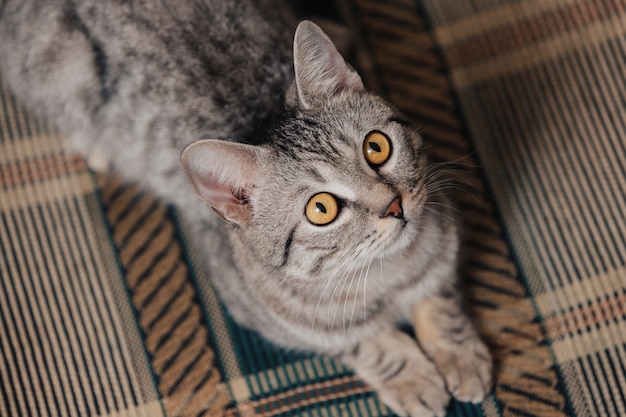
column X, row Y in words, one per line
column 32, row 170
column 165, row 300
column 596, row 313
column 531, row 30
column 302, row 396
column 416, row 81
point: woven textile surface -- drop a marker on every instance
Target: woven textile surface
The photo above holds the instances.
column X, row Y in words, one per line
column 103, row 312
column 541, row 86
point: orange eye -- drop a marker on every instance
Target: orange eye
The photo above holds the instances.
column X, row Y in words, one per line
column 376, row 148
column 322, row 209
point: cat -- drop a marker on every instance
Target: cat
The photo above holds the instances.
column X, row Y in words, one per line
column 328, row 228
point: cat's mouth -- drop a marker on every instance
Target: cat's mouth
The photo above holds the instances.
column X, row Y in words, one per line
column 399, row 231
column 398, row 235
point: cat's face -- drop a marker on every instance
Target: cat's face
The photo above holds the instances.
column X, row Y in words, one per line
column 341, row 181
column 344, row 182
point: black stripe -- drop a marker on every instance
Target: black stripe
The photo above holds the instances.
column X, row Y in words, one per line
column 157, row 288
column 164, row 310
column 181, row 347
column 288, row 247
column 395, row 371
column 207, row 376
column 147, row 244
column 59, row 330
column 185, row 373
column 106, row 310
column 181, row 318
column 84, row 357
column 128, row 208
column 400, row 120
column 100, row 59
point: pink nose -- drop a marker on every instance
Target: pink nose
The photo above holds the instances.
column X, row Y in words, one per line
column 394, row 209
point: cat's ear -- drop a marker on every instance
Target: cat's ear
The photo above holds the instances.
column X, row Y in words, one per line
column 223, row 175
column 320, row 70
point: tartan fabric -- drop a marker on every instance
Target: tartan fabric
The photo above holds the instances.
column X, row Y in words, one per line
column 104, row 312
column 542, row 91
column 98, row 310
column 69, row 340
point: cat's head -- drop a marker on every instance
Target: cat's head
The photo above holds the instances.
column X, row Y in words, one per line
column 339, row 182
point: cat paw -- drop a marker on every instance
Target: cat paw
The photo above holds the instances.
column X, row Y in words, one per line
column 404, row 378
column 467, row 369
column 416, row 395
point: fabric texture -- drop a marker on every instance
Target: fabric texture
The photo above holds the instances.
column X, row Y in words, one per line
column 541, row 87
column 104, row 312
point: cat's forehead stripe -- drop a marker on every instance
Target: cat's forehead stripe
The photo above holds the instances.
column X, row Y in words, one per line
column 400, row 120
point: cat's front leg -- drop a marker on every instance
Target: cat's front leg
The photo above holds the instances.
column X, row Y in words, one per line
column 448, row 337
column 392, row 363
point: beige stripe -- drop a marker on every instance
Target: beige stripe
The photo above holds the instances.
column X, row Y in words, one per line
column 575, row 293
column 31, row 294
column 504, row 15
column 30, row 195
column 151, row 409
column 591, row 286
column 17, row 199
column 103, row 331
column 553, row 169
column 110, row 328
column 536, row 227
column 595, row 153
column 595, row 340
column 585, row 218
column 489, row 407
column 547, row 157
column 272, row 379
column 68, row 313
column 23, row 287
column 78, row 307
column 533, row 55
column 34, row 147
column 240, row 390
column 16, row 332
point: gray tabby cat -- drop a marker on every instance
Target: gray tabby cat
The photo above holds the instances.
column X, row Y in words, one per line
column 332, row 228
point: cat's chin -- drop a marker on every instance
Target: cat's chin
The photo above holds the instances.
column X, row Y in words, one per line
column 401, row 238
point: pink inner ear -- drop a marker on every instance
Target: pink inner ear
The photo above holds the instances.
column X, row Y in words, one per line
column 222, row 174
column 230, row 204
column 218, row 193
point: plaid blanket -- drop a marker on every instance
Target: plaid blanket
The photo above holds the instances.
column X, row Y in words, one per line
column 103, row 312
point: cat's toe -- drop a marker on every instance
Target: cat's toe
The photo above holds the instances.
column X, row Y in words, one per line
column 467, row 370
column 421, row 401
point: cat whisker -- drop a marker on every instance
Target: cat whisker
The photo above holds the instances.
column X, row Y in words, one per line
column 367, row 273
column 356, row 294
column 457, row 160
column 342, row 262
column 344, row 259
column 444, row 205
column 451, row 185
column 438, row 213
column 345, row 301
column 280, row 283
column 343, row 279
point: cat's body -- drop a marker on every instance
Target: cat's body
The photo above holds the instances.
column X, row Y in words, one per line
column 139, row 81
